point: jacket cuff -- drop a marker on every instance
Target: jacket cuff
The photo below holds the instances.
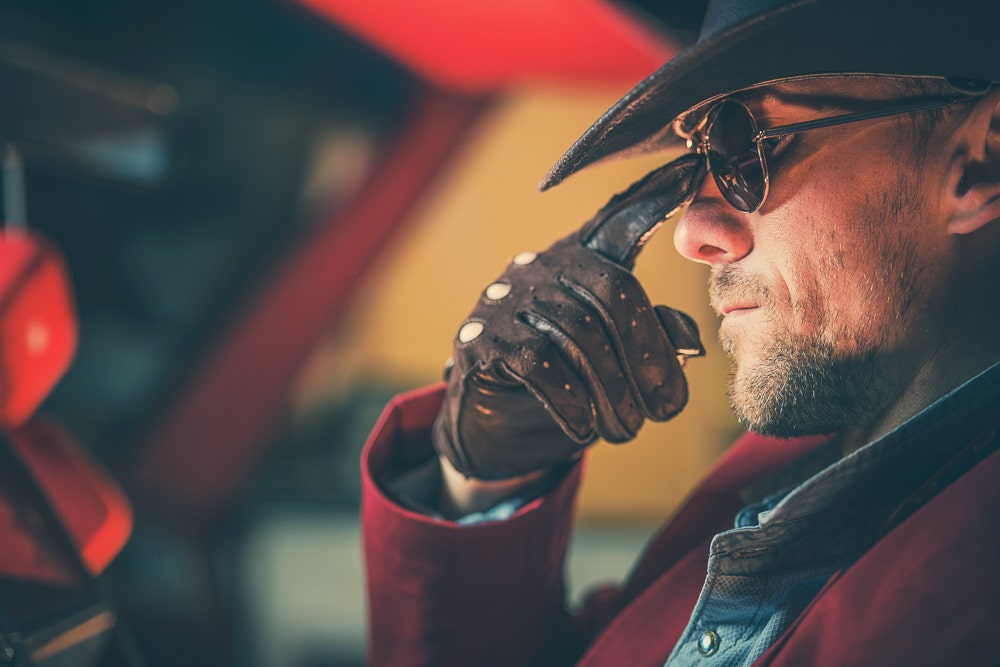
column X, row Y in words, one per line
column 427, row 576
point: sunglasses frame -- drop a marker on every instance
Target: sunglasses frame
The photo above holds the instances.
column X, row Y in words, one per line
column 699, row 139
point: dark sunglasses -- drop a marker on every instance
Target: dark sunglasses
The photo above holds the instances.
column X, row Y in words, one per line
column 734, row 146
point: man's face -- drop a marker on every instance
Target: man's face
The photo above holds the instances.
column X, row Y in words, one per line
column 824, row 291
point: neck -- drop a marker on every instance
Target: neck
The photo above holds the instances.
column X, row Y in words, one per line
column 967, row 347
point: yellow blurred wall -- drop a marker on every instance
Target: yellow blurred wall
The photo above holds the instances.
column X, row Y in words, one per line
column 485, row 210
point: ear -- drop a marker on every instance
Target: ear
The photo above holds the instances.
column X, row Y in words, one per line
column 974, row 173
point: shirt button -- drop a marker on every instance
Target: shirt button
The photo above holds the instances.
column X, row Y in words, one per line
column 708, row 643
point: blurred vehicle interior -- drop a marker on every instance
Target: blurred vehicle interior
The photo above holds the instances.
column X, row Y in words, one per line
column 275, row 214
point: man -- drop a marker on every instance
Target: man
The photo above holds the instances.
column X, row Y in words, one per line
column 843, row 184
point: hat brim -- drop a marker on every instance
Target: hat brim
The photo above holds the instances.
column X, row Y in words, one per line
column 805, row 38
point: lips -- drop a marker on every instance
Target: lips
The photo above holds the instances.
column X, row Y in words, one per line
column 736, row 309
column 731, row 291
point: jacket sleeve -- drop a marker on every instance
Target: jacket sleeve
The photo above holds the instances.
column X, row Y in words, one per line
column 442, row 594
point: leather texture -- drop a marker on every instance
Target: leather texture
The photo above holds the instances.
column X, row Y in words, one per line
column 565, row 347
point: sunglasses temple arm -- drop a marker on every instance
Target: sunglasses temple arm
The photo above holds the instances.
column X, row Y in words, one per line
column 775, row 132
column 621, row 228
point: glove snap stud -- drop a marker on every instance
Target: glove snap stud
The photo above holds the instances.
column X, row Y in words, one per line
column 524, row 258
column 497, row 291
column 470, row 331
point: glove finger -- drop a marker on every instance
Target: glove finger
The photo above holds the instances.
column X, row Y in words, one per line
column 586, row 349
column 682, row 331
column 620, row 229
column 640, row 340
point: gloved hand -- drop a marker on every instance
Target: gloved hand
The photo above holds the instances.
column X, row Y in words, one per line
column 565, row 347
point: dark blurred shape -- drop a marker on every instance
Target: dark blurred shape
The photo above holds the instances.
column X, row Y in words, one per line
column 270, row 122
column 67, row 115
column 682, row 16
column 261, row 93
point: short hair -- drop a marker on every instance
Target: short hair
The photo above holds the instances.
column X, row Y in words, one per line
column 923, row 123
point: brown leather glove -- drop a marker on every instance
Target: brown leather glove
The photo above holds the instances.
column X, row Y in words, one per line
column 565, row 347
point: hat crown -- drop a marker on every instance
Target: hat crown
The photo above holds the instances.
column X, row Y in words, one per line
column 720, row 15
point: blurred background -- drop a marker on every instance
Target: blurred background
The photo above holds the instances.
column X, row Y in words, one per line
column 275, row 215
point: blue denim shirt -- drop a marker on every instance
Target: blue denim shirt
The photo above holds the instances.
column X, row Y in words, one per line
column 816, row 519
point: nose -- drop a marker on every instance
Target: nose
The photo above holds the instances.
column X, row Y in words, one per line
column 712, row 231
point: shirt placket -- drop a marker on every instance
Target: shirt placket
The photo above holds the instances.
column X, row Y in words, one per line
column 727, row 612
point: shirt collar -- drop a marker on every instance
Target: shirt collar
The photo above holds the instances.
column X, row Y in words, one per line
column 905, row 457
column 829, row 508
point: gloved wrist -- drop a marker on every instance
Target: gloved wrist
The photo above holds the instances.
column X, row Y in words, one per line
column 493, row 432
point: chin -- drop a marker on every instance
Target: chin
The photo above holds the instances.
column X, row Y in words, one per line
column 807, row 390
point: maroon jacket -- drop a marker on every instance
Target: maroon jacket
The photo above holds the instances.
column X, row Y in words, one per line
column 928, row 593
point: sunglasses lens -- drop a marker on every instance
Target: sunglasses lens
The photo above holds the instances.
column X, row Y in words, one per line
column 736, row 164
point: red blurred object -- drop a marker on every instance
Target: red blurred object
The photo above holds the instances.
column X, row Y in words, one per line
column 38, row 333
column 95, row 512
column 38, row 338
column 480, row 46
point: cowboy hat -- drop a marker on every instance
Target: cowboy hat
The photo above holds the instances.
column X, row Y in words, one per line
column 744, row 43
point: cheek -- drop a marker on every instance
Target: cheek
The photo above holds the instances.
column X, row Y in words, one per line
column 841, row 254
column 871, row 272
column 822, row 277
column 804, row 263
